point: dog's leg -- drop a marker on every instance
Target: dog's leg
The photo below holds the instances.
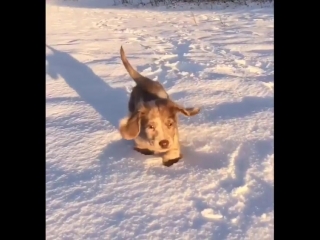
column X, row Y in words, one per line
column 144, row 151
column 171, row 157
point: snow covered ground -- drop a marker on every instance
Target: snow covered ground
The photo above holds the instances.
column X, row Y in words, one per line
column 97, row 187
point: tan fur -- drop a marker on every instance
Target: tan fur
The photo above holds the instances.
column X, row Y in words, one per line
column 152, row 122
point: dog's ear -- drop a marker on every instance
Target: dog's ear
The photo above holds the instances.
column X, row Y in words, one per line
column 129, row 127
column 189, row 111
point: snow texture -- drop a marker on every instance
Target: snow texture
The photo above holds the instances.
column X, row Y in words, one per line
column 221, row 59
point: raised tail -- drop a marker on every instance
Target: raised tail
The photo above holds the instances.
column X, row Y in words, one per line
column 137, row 77
column 145, row 83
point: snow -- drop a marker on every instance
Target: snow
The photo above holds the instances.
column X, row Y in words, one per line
column 221, row 59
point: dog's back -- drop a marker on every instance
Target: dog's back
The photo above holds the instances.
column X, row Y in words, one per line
column 146, row 89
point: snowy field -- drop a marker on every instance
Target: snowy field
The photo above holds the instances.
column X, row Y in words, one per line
column 220, row 59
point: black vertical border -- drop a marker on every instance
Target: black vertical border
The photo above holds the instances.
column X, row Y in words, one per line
column 293, row 115
column 25, row 177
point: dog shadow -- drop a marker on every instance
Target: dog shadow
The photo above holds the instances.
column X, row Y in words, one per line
column 109, row 102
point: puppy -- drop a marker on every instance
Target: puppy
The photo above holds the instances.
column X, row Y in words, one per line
column 152, row 122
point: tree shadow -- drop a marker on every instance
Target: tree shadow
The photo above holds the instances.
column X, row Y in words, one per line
column 110, row 103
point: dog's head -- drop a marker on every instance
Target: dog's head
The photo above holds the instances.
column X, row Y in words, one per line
column 155, row 123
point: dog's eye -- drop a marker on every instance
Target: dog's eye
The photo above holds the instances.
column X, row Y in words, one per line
column 170, row 124
column 151, row 127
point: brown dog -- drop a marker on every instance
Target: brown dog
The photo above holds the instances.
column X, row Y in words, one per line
column 152, row 122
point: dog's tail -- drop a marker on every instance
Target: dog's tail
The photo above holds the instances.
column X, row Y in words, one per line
column 137, row 77
column 145, row 83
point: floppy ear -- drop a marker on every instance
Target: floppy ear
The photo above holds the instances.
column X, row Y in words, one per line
column 187, row 111
column 129, row 127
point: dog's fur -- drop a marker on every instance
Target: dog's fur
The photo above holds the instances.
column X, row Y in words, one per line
column 152, row 122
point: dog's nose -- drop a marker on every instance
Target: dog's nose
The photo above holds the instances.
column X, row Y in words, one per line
column 164, row 143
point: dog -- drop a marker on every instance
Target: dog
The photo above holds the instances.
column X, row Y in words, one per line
column 152, row 121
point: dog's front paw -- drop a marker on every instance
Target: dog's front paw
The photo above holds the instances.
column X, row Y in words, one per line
column 144, row 151
column 170, row 162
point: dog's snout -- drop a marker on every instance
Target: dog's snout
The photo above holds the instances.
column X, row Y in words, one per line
column 164, row 143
